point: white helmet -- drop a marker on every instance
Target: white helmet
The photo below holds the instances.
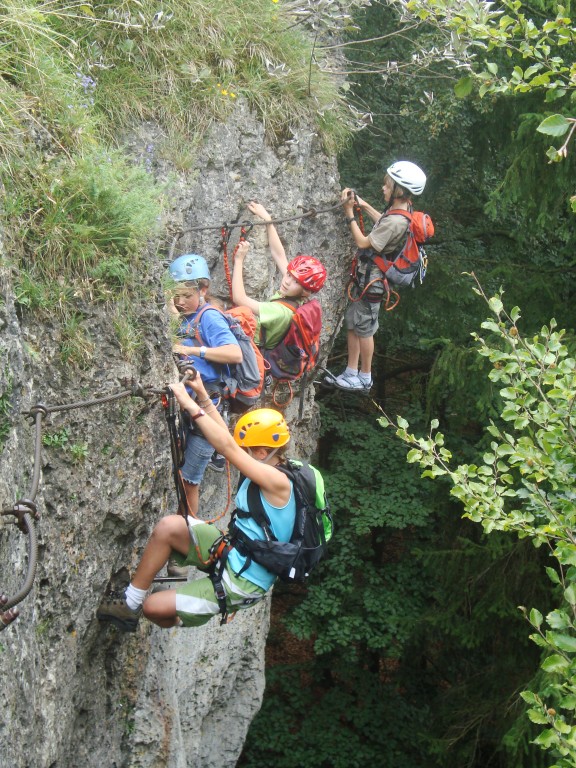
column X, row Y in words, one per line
column 408, row 175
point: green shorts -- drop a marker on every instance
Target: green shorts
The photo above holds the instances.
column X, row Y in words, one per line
column 195, row 601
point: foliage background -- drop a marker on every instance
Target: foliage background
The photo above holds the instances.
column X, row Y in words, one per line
column 420, row 649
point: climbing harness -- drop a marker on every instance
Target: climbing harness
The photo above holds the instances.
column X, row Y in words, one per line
column 217, row 565
column 357, row 292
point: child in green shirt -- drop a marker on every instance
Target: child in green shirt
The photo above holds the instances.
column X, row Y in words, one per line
column 301, row 277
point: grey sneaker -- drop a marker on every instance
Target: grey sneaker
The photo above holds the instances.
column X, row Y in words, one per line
column 217, row 462
column 114, row 610
column 350, row 382
column 174, row 570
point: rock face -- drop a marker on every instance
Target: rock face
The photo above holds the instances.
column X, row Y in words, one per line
column 74, row 693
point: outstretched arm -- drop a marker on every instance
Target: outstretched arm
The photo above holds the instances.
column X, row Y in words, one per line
column 271, row 481
column 239, row 295
column 276, row 247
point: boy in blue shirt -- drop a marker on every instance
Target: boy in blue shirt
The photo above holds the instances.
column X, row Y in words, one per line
column 219, row 348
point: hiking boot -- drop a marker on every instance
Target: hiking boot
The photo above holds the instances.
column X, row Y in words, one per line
column 175, row 570
column 217, row 462
column 114, row 610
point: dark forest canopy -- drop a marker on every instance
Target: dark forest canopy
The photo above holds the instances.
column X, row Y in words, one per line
column 420, row 650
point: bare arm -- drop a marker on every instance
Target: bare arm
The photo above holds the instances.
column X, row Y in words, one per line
column 239, row 295
column 347, row 197
column 274, row 242
column 204, row 401
column 271, row 481
column 227, row 353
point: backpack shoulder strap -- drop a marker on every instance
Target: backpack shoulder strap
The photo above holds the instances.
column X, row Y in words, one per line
column 400, row 212
column 196, row 321
column 287, row 303
column 303, row 480
column 257, row 511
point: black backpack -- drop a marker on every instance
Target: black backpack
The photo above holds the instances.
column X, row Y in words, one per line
column 290, row 560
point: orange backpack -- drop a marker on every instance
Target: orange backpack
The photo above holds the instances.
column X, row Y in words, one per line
column 411, row 258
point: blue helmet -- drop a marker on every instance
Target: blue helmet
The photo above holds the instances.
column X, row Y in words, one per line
column 190, row 266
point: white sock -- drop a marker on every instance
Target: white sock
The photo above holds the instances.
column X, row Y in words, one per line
column 351, row 371
column 134, row 597
column 365, row 378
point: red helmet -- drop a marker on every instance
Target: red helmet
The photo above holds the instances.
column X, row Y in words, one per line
column 308, row 271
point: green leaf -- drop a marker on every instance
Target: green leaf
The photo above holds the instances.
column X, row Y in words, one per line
column 563, row 642
column 531, row 698
column 464, row 87
column 553, row 575
column 496, row 305
column 547, row 738
column 555, row 157
column 558, row 620
column 555, row 125
column 536, row 617
column 555, row 663
column 537, row 716
column 569, row 702
column 570, row 595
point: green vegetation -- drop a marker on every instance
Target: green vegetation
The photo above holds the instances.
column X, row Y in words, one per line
column 61, row 440
column 5, row 411
column 414, row 617
column 524, row 483
column 79, row 452
column 126, row 329
column 76, row 81
column 57, row 439
column 510, row 49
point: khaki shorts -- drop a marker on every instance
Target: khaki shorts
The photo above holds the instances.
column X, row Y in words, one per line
column 362, row 318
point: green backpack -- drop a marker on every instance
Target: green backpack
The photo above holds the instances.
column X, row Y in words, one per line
column 290, row 560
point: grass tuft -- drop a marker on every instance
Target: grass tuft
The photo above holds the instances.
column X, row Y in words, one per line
column 77, row 76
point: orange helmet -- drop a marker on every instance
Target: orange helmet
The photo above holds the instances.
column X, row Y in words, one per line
column 308, row 271
column 262, row 427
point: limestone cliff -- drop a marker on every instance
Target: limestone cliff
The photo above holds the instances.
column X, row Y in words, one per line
column 74, row 693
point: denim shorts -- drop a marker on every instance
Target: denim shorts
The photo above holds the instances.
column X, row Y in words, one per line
column 196, row 457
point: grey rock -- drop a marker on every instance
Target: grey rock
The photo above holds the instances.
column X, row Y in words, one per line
column 75, row 693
